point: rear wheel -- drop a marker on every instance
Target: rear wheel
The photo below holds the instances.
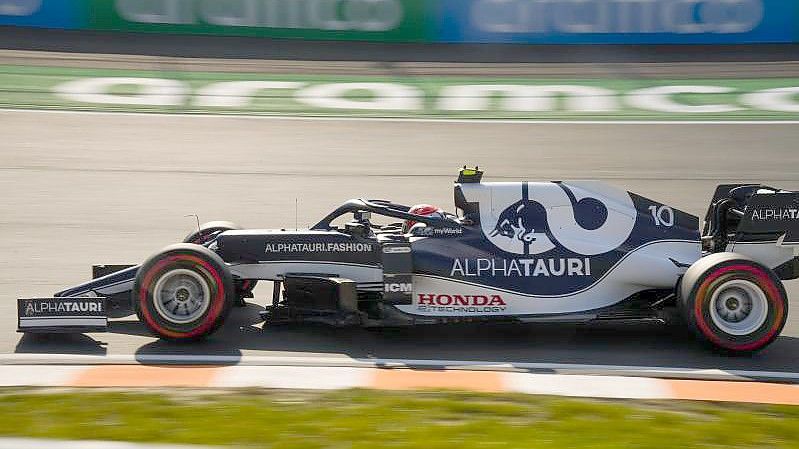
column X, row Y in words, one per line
column 184, row 292
column 733, row 302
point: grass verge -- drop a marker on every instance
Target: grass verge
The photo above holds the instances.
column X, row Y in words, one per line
column 368, row 419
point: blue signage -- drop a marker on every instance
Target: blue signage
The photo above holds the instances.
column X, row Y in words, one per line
column 43, row 13
column 618, row 21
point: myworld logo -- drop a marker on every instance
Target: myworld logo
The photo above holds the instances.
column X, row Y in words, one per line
column 333, row 15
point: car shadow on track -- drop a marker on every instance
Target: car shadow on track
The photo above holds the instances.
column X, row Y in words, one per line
column 241, row 326
column 60, row 344
column 599, row 344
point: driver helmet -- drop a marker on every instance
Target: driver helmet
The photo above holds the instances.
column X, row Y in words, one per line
column 421, row 209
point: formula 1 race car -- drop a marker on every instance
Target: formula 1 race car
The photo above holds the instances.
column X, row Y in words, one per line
column 515, row 251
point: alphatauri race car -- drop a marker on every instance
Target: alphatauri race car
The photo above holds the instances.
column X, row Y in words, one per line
column 524, row 252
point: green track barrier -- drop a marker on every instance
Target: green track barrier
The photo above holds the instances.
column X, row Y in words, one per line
column 373, row 20
column 374, row 96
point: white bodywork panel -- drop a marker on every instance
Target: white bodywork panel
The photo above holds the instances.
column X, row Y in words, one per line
column 646, row 268
column 278, row 269
column 770, row 254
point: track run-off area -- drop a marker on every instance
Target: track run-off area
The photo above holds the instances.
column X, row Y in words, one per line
column 87, row 188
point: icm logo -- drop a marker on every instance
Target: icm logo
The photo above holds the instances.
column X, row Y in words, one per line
column 533, row 218
column 399, row 288
column 19, row 7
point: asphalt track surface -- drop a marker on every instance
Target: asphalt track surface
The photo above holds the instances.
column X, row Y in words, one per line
column 84, row 188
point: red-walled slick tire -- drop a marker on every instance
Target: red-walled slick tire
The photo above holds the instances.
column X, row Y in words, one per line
column 184, row 292
column 736, row 304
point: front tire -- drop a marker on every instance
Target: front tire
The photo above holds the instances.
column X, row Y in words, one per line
column 184, row 292
column 733, row 302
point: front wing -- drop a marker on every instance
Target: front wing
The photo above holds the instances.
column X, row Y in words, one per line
column 62, row 315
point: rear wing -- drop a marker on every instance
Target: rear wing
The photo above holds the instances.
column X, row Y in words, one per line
column 757, row 221
column 770, row 214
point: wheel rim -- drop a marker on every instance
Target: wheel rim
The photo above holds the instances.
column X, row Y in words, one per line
column 739, row 307
column 181, row 296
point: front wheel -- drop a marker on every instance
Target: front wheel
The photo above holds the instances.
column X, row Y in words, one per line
column 733, row 302
column 183, row 292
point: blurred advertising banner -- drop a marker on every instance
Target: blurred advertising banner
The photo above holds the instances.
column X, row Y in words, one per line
column 372, row 20
column 43, row 13
column 449, row 97
column 618, row 21
column 479, row 21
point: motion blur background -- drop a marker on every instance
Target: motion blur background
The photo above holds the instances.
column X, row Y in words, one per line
column 249, row 105
column 431, row 21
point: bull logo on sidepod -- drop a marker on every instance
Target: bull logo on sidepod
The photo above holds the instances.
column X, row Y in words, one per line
column 533, row 218
column 526, row 222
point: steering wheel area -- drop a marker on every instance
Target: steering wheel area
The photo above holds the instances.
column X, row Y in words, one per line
column 362, row 211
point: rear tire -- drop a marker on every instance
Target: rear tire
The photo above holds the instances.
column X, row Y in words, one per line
column 184, row 292
column 734, row 303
